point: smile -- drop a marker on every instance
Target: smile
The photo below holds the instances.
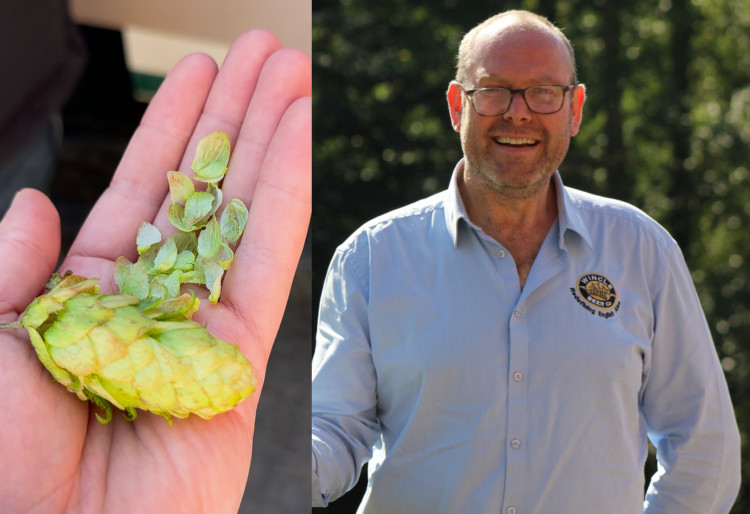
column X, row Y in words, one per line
column 515, row 142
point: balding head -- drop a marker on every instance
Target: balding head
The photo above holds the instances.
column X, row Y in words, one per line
column 509, row 21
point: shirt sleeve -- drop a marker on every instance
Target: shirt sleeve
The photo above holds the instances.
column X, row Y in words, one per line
column 686, row 404
column 344, row 421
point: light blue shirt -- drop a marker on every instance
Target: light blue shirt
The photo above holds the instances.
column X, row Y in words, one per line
column 467, row 394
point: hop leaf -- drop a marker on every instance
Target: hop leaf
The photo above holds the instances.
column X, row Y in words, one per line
column 233, row 220
column 225, row 256
column 185, row 241
column 132, row 279
column 147, row 235
column 198, row 207
column 175, row 212
column 211, row 157
column 180, row 186
column 185, row 260
column 166, row 258
column 209, row 240
column 212, row 274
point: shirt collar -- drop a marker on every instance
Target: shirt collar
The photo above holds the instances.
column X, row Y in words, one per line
column 568, row 215
column 454, row 206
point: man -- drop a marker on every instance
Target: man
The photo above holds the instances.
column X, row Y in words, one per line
column 510, row 344
column 56, row 456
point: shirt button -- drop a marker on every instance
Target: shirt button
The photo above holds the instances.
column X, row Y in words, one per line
column 517, row 376
column 517, row 313
column 515, row 444
column 511, row 510
column 501, row 253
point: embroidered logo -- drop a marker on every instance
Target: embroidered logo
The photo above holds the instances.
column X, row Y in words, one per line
column 596, row 294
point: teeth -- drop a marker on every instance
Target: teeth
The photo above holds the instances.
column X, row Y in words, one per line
column 511, row 141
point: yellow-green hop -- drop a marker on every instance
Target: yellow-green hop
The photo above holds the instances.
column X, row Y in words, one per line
column 110, row 349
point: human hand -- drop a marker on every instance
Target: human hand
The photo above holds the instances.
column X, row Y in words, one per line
column 57, row 456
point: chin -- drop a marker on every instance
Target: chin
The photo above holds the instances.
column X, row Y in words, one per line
column 528, row 185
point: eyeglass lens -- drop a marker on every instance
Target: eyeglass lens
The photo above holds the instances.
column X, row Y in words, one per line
column 539, row 99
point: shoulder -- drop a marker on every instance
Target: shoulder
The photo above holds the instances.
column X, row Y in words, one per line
column 402, row 229
column 409, row 218
column 602, row 214
column 407, row 214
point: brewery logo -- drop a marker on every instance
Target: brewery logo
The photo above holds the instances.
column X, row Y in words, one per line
column 596, row 294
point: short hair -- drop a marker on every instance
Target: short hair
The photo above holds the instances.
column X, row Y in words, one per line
column 522, row 19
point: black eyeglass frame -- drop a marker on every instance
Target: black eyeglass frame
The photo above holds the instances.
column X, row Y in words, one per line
column 522, row 92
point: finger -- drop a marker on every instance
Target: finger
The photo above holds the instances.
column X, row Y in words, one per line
column 258, row 283
column 235, row 86
column 286, row 77
column 229, row 97
column 30, row 247
column 139, row 185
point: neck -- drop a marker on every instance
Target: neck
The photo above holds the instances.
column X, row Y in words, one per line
column 503, row 217
column 520, row 225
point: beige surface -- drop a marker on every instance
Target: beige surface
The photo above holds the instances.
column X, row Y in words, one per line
column 159, row 32
column 155, row 52
column 219, row 20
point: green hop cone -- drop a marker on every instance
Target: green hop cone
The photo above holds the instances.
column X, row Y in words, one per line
column 109, row 349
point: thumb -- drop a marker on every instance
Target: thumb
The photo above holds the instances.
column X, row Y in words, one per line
column 29, row 249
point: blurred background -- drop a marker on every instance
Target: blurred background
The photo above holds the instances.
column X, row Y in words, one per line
column 77, row 77
column 666, row 127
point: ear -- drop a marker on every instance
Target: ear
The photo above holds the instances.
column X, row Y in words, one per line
column 576, row 108
column 455, row 104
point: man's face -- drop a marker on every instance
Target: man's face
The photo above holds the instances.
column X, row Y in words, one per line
column 515, row 154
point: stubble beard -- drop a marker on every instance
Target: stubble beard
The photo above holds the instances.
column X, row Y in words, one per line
column 494, row 176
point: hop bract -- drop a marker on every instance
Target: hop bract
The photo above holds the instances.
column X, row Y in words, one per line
column 108, row 348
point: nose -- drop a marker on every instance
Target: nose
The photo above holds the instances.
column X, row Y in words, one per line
column 518, row 110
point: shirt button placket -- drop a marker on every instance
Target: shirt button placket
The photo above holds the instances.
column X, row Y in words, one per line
column 517, row 407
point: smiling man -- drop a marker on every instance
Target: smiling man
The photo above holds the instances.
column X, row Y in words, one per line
column 510, row 344
column 514, row 139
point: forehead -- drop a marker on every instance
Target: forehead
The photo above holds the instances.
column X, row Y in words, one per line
column 520, row 55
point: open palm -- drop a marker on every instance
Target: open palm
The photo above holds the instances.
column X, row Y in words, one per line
column 57, row 457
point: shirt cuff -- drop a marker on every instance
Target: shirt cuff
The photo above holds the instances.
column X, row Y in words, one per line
column 318, row 498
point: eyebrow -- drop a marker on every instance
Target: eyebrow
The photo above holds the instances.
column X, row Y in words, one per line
column 539, row 80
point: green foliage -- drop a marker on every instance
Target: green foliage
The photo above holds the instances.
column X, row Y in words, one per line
column 666, row 127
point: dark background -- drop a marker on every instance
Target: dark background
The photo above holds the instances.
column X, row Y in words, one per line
column 98, row 122
column 666, row 127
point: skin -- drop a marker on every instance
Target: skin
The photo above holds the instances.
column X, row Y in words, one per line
column 57, row 457
column 507, row 189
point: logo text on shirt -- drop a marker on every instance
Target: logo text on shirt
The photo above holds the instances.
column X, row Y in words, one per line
column 596, row 294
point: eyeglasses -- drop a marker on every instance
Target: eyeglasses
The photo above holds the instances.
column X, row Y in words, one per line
column 494, row 101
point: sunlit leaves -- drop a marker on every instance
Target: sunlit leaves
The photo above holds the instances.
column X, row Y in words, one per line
column 200, row 251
